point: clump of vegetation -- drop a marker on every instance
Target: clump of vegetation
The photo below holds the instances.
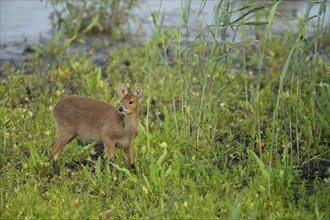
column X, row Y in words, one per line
column 77, row 18
column 227, row 130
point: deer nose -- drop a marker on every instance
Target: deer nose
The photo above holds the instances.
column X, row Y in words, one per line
column 121, row 109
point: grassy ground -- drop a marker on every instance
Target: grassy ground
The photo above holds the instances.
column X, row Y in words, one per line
column 227, row 130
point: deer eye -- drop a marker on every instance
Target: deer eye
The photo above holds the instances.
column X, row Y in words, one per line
column 130, row 102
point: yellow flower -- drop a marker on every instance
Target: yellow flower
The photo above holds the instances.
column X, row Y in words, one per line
column 272, row 53
column 61, row 72
column 101, row 83
column 145, row 190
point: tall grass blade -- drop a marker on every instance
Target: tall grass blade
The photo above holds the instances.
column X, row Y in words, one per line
column 130, row 176
column 261, row 165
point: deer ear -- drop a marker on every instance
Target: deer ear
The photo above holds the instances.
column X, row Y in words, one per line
column 122, row 90
column 138, row 92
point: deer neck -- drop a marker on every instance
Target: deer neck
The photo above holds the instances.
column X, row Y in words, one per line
column 130, row 122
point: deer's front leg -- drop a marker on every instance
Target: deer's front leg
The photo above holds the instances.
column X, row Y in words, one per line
column 130, row 156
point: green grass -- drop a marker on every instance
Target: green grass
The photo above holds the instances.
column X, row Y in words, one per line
column 227, row 130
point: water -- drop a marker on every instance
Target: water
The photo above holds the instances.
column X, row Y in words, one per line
column 22, row 19
column 24, row 22
column 290, row 11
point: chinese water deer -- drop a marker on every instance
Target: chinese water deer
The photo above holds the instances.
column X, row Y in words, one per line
column 99, row 122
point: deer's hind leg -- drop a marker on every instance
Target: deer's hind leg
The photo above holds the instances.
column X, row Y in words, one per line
column 110, row 150
column 57, row 146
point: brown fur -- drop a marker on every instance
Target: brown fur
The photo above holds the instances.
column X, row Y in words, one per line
column 98, row 121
